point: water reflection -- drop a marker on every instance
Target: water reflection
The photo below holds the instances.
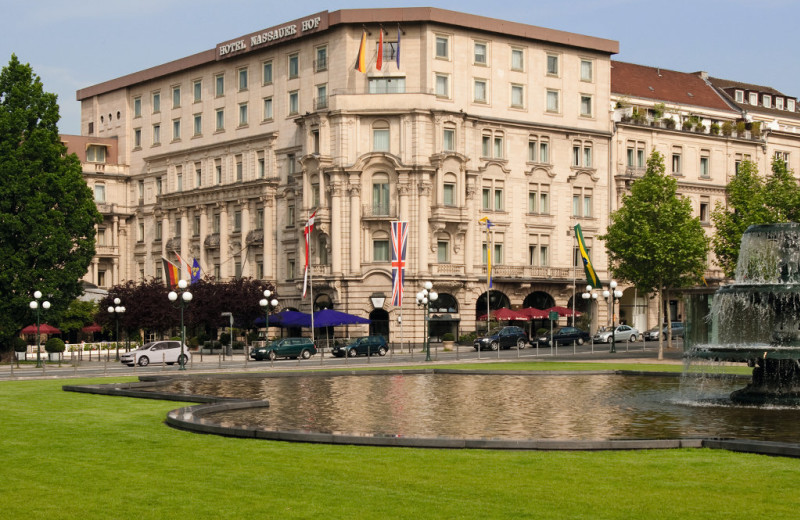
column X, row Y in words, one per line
column 499, row 406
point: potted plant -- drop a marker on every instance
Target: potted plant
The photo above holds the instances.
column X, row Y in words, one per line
column 20, row 348
column 741, row 126
column 669, row 123
column 687, row 125
column 714, row 128
column 55, row 348
column 727, row 128
column 755, row 129
column 448, row 341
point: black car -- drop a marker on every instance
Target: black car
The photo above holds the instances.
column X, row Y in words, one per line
column 368, row 345
column 565, row 335
column 506, row 337
column 286, row 348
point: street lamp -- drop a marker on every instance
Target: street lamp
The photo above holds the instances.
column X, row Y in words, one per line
column 116, row 310
column 268, row 305
column 424, row 299
column 185, row 298
column 613, row 295
column 35, row 305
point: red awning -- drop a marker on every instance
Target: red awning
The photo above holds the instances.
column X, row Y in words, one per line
column 44, row 328
column 504, row 314
column 562, row 311
column 94, row 327
column 534, row 314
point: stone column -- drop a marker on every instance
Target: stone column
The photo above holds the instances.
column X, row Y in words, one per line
column 422, row 244
column 355, row 226
column 165, row 234
column 269, row 251
column 203, row 211
column 336, row 228
column 402, row 191
column 246, row 254
column 469, row 247
column 225, row 265
column 184, row 252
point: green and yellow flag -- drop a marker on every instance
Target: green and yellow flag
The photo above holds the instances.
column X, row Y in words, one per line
column 591, row 276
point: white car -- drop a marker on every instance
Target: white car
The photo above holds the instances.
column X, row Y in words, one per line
column 168, row 352
column 622, row 333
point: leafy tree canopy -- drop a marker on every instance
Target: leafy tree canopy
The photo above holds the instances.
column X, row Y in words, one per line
column 653, row 241
column 47, row 236
column 752, row 199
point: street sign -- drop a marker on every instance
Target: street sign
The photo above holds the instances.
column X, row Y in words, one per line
column 553, row 316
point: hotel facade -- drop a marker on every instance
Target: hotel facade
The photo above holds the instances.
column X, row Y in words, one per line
column 223, row 156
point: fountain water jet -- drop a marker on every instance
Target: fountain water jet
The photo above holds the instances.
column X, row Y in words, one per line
column 757, row 318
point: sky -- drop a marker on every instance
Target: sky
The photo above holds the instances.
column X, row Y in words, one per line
column 73, row 45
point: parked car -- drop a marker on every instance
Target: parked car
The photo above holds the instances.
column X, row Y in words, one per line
column 506, row 337
column 286, row 348
column 622, row 333
column 168, row 352
column 367, row 345
column 677, row 331
column 565, row 335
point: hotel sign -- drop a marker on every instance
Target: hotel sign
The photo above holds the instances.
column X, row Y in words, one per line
column 273, row 35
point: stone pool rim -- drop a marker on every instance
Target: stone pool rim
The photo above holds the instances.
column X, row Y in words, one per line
column 191, row 418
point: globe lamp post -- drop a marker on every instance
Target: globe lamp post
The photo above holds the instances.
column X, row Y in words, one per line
column 184, row 298
column 35, row 305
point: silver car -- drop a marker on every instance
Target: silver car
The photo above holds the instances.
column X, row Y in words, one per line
column 168, row 352
column 621, row 333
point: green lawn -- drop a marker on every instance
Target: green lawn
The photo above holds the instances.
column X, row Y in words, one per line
column 81, row 456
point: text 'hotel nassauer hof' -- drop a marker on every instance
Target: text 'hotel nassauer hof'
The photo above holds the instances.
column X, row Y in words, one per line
column 223, row 155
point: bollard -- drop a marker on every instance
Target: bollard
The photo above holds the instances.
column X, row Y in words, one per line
column 219, row 360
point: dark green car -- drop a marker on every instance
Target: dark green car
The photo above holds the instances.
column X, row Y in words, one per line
column 368, row 345
column 286, row 348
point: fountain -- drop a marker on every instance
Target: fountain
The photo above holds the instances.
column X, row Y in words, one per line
column 756, row 320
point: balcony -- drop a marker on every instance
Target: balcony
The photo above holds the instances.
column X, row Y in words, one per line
column 379, row 211
column 106, row 251
column 320, row 270
column 528, row 272
column 449, row 269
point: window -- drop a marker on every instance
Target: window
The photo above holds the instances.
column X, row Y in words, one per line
column 140, row 186
column 159, row 230
column 705, row 170
column 480, row 53
column 198, row 124
column 100, row 193
column 449, row 139
column 517, row 96
column 387, row 85
column 539, row 198
column 137, row 138
column 443, row 47
column 498, row 146
column 586, row 105
column 267, row 109
column 780, row 155
column 198, row 175
column 137, row 106
column 218, row 171
column 96, row 153
column 156, row 102
column 552, row 65
column 492, row 195
column 322, row 97
column 704, row 206
column 443, row 251
column 479, row 91
column 538, row 250
column 157, row 134
column 779, row 103
column 239, row 168
column 262, row 166
column 380, row 194
column 290, row 215
column 544, row 152
column 177, row 226
column 486, row 146
column 739, row 96
column 517, row 59
column 140, row 232
column 219, row 85
column 321, row 63
column 294, row 66
column 294, row 103
column 179, row 181
column 640, row 163
column 552, row 101
column 676, row 161
column 790, row 105
column 220, row 113
column 582, row 154
column 237, row 221
column 443, row 85
column 176, row 97
column 492, row 144
column 449, row 190
column 291, row 163
column 216, row 223
column 196, row 226
column 315, row 140
column 587, row 70
column 266, row 72
column 753, row 98
column 243, row 79
column 198, row 90
column 582, row 202
column 260, row 218
column 159, row 186
column 380, row 136
column 497, row 254
column 290, row 268
column 380, row 250
column 315, row 191
column 176, row 129
column 243, row 114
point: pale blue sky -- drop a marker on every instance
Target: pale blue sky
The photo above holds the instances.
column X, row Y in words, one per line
column 72, row 45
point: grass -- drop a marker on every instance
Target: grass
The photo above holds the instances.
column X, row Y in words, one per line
column 68, row 455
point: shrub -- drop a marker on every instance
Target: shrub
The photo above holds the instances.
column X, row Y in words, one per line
column 727, row 128
column 714, row 128
column 54, row 345
column 19, row 344
column 741, row 126
column 448, row 336
column 238, row 344
column 687, row 125
column 225, row 338
column 669, row 123
column 700, row 127
column 755, row 129
column 193, row 342
column 468, row 338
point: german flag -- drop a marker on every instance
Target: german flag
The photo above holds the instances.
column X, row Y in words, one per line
column 171, row 273
column 361, row 60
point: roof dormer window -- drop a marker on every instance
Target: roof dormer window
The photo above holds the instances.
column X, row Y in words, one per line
column 767, row 101
column 96, row 153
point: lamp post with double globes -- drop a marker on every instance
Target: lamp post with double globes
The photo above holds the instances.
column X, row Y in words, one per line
column 35, row 305
column 116, row 310
column 613, row 295
column 589, row 295
column 185, row 297
column 424, row 299
column 267, row 305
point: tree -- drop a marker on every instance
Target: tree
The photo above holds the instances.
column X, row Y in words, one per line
column 47, row 236
column 76, row 316
column 653, row 241
column 753, row 200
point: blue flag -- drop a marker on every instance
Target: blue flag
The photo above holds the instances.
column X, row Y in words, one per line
column 195, row 270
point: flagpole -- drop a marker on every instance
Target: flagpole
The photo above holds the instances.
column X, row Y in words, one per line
column 488, row 280
column 311, row 286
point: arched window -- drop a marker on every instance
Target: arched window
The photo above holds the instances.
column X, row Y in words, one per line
column 380, row 194
column 315, row 191
column 449, row 193
column 380, row 136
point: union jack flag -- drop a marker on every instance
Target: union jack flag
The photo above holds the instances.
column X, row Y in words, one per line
column 399, row 243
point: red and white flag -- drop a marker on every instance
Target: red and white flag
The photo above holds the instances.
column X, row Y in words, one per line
column 309, row 227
